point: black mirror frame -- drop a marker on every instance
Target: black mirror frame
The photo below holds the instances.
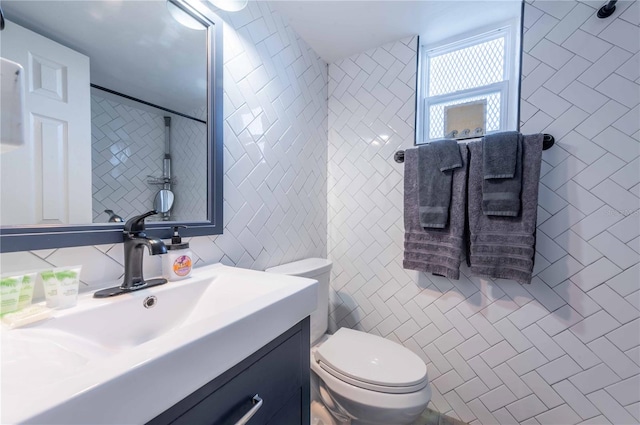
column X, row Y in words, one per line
column 22, row 238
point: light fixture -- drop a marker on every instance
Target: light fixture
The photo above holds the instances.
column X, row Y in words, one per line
column 230, row 5
column 183, row 17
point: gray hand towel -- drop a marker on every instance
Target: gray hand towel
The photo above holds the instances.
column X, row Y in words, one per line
column 503, row 246
column 499, row 155
column 501, row 195
column 432, row 250
column 436, row 162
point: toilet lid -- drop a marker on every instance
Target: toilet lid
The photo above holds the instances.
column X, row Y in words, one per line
column 371, row 359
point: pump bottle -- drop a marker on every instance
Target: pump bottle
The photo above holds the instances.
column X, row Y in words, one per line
column 177, row 262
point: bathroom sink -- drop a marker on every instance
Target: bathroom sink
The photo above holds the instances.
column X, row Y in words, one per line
column 154, row 346
column 125, row 322
column 133, row 319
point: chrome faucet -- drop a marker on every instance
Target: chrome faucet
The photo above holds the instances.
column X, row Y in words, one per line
column 134, row 242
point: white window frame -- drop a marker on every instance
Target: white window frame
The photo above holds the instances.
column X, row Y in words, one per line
column 508, row 88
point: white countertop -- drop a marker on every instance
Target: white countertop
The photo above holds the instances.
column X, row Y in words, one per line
column 50, row 376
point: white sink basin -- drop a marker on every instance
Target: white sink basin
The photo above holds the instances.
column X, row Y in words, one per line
column 116, row 352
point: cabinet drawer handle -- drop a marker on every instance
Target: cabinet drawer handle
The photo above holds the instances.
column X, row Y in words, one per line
column 257, row 404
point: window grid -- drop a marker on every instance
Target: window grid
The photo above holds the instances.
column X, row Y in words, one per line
column 471, row 67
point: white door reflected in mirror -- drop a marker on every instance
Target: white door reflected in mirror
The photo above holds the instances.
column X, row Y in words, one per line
column 35, row 185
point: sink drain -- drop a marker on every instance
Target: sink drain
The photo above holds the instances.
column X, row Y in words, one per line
column 150, row 302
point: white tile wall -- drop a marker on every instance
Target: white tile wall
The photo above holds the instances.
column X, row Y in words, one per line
column 127, row 145
column 188, row 165
column 564, row 349
column 275, row 156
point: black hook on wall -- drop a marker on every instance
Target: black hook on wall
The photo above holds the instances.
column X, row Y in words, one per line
column 607, row 10
column 547, row 141
column 1, row 19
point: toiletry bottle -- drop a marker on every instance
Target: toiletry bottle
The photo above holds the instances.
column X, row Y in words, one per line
column 176, row 263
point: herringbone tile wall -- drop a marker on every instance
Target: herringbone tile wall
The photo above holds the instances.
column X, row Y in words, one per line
column 275, row 158
column 564, row 349
column 188, row 166
column 127, row 145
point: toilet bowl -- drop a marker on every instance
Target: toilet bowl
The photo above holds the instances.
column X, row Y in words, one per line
column 320, row 415
column 360, row 378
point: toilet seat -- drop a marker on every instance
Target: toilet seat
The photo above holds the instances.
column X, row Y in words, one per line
column 371, row 362
column 373, row 387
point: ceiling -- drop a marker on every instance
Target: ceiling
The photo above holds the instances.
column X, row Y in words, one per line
column 135, row 47
column 337, row 29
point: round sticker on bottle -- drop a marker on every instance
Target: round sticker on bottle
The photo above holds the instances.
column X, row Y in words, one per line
column 182, row 265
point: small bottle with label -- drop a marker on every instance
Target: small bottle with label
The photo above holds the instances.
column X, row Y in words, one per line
column 176, row 263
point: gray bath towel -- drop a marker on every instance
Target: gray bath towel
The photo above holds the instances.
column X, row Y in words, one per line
column 503, row 246
column 502, row 172
column 437, row 251
column 436, row 162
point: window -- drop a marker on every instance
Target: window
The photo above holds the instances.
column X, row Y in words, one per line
column 476, row 68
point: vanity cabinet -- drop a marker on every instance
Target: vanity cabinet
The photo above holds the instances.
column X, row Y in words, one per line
column 278, row 373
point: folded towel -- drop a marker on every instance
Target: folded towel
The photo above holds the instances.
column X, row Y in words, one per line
column 436, row 162
column 501, row 196
column 504, row 246
column 448, row 153
column 434, row 250
column 499, row 155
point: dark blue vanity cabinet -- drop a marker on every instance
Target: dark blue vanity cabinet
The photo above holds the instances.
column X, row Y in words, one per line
column 278, row 373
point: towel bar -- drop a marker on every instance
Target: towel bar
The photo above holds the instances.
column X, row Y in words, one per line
column 547, row 141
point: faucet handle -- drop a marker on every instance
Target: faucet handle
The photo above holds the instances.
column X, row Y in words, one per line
column 136, row 224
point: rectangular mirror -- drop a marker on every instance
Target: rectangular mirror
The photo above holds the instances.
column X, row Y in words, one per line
column 123, row 116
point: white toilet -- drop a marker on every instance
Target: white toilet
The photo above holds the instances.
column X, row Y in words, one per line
column 363, row 378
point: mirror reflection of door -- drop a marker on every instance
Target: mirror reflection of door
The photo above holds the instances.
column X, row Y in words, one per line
column 117, row 113
column 36, row 187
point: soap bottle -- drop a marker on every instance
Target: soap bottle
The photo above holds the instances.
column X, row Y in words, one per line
column 176, row 263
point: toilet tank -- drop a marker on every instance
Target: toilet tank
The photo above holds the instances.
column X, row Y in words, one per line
column 318, row 269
